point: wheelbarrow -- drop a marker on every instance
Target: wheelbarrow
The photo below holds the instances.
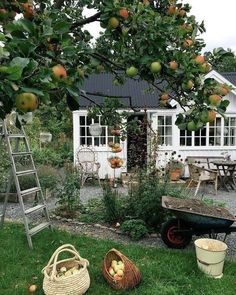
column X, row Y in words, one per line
column 177, row 232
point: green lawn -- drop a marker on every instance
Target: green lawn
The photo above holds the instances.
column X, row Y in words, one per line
column 163, row 271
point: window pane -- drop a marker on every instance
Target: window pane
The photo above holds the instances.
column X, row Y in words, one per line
column 168, row 120
column 82, row 120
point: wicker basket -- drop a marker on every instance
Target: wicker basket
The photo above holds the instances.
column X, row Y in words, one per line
column 131, row 277
column 76, row 284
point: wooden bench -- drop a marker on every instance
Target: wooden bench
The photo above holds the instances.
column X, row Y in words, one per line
column 204, row 161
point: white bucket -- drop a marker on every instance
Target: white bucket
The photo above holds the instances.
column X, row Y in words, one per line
column 211, row 256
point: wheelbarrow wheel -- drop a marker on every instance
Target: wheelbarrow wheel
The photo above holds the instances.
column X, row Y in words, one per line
column 172, row 239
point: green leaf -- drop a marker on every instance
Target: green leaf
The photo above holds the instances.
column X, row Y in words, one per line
column 20, row 62
column 33, row 90
column 2, row 37
column 62, row 27
column 3, row 53
column 73, row 91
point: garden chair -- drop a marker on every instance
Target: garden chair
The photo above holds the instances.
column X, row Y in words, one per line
column 200, row 174
column 87, row 165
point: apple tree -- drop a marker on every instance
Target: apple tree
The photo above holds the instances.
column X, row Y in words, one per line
column 45, row 53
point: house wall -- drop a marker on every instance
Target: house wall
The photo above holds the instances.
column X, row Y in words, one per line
column 164, row 152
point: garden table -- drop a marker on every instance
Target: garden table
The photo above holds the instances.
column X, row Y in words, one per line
column 226, row 170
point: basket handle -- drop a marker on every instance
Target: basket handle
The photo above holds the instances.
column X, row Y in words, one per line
column 54, row 258
column 65, row 246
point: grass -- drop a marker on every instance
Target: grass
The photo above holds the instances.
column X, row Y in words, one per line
column 164, row 272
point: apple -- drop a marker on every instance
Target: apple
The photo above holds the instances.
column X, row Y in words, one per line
column 164, row 96
column 113, row 263
column 171, row 10
column 181, row 12
column 163, row 103
column 131, row 71
column 204, row 116
column 32, row 288
column 199, row 59
column 173, row 65
column 205, row 67
column 214, row 99
column 113, row 23
column 188, row 85
column 187, row 43
column 124, row 13
column 111, row 271
column 191, row 126
column 211, row 116
column 120, row 272
column 155, row 67
column 117, row 277
column 100, row 68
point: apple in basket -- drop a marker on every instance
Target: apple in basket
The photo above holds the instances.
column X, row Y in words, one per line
column 111, row 271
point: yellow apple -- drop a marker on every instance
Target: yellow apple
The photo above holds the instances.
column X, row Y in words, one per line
column 113, row 263
column 111, row 271
column 120, row 272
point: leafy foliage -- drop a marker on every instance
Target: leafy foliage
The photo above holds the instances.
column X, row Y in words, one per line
column 145, row 200
column 135, row 228
column 46, row 51
column 68, row 192
column 111, row 204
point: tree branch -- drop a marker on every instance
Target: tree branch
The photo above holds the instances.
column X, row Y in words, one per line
column 105, row 59
column 85, row 21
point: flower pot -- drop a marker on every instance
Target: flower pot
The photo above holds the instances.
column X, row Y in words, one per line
column 95, row 129
column 175, row 174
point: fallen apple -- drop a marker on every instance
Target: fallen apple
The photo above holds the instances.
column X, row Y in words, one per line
column 32, row 288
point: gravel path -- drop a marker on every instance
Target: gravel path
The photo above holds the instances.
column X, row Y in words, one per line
column 98, row 231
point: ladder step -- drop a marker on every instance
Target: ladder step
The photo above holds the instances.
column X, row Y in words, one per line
column 35, row 208
column 16, row 135
column 38, row 228
column 21, row 153
column 30, row 191
column 26, row 172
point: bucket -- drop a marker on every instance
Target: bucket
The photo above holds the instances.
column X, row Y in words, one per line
column 210, row 256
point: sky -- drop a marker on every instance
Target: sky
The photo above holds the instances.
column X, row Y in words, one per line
column 219, row 19
column 218, row 16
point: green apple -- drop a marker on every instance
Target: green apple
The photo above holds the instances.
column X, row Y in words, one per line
column 155, row 67
column 191, row 126
column 131, row 71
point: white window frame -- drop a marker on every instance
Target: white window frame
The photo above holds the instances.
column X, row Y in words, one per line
column 222, row 135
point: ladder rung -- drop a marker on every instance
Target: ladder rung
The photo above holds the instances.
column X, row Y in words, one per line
column 16, row 135
column 34, row 209
column 21, row 153
column 30, row 191
column 38, row 228
column 26, row 172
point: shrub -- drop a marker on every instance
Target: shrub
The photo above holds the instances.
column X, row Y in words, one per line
column 48, row 177
column 145, row 201
column 111, row 204
column 68, row 192
column 135, row 228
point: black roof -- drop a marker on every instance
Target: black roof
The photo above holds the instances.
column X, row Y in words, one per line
column 137, row 93
column 230, row 76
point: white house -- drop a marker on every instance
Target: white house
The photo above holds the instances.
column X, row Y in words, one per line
column 214, row 140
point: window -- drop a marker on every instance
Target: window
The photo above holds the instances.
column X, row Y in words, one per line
column 85, row 136
column 164, row 128
column 217, row 133
column 230, row 132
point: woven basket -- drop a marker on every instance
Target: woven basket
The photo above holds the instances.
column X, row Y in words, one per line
column 76, row 284
column 131, row 277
